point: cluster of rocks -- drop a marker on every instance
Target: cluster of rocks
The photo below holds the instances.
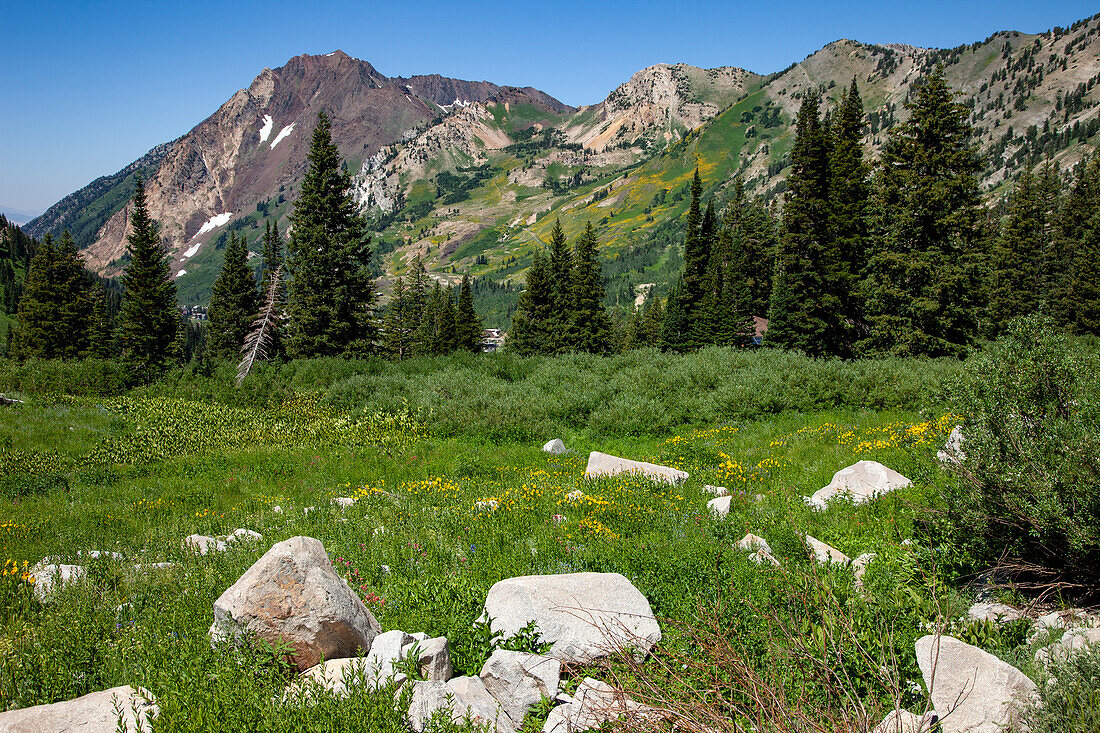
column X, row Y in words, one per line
column 50, row 573
column 201, row 544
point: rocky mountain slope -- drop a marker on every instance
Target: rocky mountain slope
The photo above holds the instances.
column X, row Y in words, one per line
column 470, row 175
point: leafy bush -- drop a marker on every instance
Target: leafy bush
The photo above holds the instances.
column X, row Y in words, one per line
column 1071, row 700
column 1029, row 489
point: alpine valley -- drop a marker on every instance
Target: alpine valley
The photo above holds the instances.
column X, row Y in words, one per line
column 471, row 176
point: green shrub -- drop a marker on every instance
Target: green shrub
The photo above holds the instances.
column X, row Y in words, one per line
column 1029, row 489
column 1071, row 700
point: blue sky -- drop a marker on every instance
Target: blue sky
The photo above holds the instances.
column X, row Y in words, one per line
column 90, row 85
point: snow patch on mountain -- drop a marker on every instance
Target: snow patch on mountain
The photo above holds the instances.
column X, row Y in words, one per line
column 265, row 131
column 210, row 225
column 181, row 273
column 282, row 133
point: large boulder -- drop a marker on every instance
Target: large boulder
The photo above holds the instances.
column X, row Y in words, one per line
column 860, row 482
column 972, row 690
column 583, row 615
column 602, row 464
column 48, row 577
column 595, row 703
column 826, row 554
column 93, row 713
column 555, row 446
column 903, row 721
column 720, row 506
column 291, row 596
column 519, row 681
column 463, row 697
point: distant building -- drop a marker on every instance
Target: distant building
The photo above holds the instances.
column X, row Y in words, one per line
column 492, row 339
column 759, row 328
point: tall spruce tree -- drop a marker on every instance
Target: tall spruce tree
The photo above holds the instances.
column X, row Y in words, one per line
column 55, row 305
column 467, row 323
column 234, row 302
column 531, row 322
column 805, row 311
column 101, row 329
column 923, row 282
column 1017, row 287
column 331, row 298
column 1074, row 221
column 396, row 328
column 560, row 326
column 1085, row 281
column 591, row 326
column 149, row 318
column 273, row 254
column 849, row 215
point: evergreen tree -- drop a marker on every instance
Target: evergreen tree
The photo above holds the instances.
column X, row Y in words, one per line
column 272, row 255
column 467, row 324
column 849, row 212
column 560, row 326
column 1017, row 287
column 396, row 332
column 55, row 304
column 682, row 331
column 101, row 331
column 805, row 310
column 923, row 283
column 1074, row 221
column 330, row 297
column 531, row 322
column 1085, row 281
column 754, row 242
column 6, row 347
column 149, row 316
column 234, row 302
column 591, row 325
column 447, row 328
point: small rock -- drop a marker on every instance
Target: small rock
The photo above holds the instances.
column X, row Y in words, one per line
column 719, row 507
column 344, row 502
column 826, row 554
column 759, row 549
column 584, row 615
column 716, row 490
column 203, row 544
column 49, row 577
column 244, row 535
column 519, row 681
column 595, row 703
column 903, row 721
column 277, row 509
column 859, row 567
column 292, row 596
column 555, row 446
column 998, row 612
column 1072, row 642
column 972, row 690
column 952, row 452
column 335, row 675
column 93, row 713
column 433, row 659
column 602, row 464
column 860, row 482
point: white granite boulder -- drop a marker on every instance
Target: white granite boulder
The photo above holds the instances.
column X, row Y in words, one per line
column 92, row 713
column 1072, row 642
column 462, row 697
column 519, row 681
column 952, row 451
column 971, row 690
column 584, row 616
column 758, row 548
column 826, row 554
column 716, row 490
column 47, row 578
column 595, row 703
column 433, row 658
column 241, row 535
column 602, row 464
column 903, row 721
column 292, row 596
column 997, row 612
column 555, row 446
column 203, row 544
column 860, row 482
column 720, row 506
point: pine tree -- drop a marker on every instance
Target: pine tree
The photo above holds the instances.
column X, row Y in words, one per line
column 467, row 324
column 1085, row 281
column 530, row 332
column 330, row 297
column 591, row 326
column 923, row 282
column 682, row 332
column 849, row 212
column 1017, row 287
column 560, row 326
column 1074, row 221
column 55, row 305
column 101, row 330
column 446, row 329
column 149, row 317
column 396, row 335
column 233, row 302
column 805, row 311
column 273, row 255
column 755, row 240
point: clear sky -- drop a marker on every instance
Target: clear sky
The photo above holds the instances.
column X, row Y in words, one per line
column 90, row 85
